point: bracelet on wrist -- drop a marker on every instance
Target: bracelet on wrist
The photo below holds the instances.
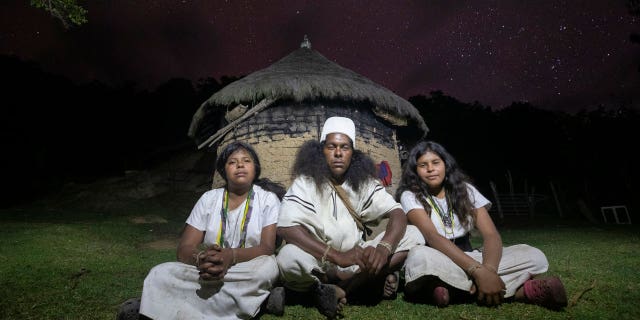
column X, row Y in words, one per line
column 324, row 260
column 386, row 245
column 235, row 260
column 473, row 269
column 491, row 268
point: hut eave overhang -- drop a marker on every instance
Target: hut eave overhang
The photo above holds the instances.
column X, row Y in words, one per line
column 307, row 75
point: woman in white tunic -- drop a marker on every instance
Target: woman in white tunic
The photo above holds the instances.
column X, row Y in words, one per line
column 236, row 226
column 441, row 203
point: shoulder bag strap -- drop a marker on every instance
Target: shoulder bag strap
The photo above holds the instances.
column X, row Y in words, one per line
column 343, row 196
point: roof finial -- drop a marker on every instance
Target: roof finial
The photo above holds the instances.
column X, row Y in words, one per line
column 305, row 43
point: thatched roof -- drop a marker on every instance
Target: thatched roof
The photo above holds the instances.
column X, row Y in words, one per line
column 305, row 74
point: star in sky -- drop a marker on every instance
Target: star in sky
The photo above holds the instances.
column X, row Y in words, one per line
column 555, row 54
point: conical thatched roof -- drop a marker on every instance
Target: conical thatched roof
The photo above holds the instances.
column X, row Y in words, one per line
column 306, row 74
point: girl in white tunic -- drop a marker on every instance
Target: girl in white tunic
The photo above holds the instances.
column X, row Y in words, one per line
column 441, row 203
column 236, row 226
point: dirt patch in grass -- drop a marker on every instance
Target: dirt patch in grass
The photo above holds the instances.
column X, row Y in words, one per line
column 148, row 219
column 162, row 244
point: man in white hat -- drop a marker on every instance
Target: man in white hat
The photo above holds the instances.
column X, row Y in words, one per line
column 324, row 217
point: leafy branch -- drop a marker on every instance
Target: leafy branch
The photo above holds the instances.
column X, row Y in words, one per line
column 69, row 12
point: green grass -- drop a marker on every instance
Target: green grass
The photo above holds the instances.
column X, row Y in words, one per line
column 81, row 263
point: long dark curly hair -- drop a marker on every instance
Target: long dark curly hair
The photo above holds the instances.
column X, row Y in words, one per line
column 310, row 161
column 455, row 181
column 264, row 183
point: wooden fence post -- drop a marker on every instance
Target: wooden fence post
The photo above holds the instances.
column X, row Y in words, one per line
column 495, row 195
column 555, row 197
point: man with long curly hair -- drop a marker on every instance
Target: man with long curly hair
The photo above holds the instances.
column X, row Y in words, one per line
column 324, row 220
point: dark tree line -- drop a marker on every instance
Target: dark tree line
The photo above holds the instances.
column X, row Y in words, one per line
column 588, row 156
column 57, row 131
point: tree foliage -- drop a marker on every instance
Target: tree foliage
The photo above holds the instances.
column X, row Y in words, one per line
column 587, row 155
column 634, row 7
column 70, row 132
column 69, row 12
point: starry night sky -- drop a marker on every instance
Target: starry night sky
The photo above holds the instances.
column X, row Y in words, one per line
column 564, row 55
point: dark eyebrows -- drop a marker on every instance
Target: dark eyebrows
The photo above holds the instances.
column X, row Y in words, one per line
column 240, row 158
column 429, row 161
column 338, row 145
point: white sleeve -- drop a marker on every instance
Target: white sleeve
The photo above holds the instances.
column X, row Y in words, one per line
column 477, row 199
column 298, row 207
column 271, row 208
column 377, row 203
column 409, row 202
column 199, row 214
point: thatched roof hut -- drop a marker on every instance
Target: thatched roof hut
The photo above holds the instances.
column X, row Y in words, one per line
column 285, row 104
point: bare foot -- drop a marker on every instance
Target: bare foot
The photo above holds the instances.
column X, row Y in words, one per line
column 391, row 285
column 330, row 299
column 341, row 297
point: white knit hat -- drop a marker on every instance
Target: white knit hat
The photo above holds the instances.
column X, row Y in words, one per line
column 339, row 125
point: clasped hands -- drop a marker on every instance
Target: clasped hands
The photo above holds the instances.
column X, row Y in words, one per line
column 370, row 259
column 213, row 262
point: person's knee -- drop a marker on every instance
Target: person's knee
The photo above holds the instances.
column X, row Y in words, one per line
column 160, row 272
column 267, row 268
column 286, row 258
column 536, row 257
column 413, row 237
column 420, row 254
column 296, row 267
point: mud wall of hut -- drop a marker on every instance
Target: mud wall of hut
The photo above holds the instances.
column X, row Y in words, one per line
column 278, row 132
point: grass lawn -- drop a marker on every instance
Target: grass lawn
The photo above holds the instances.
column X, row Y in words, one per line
column 80, row 261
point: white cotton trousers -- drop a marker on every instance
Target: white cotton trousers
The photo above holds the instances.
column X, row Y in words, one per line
column 519, row 262
column 173, row 290
column 296, row 264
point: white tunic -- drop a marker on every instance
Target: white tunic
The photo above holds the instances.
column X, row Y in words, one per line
column 173, row 290
column 409, row 202
column 206, row 217
column 517, row 265
column 323, row 213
